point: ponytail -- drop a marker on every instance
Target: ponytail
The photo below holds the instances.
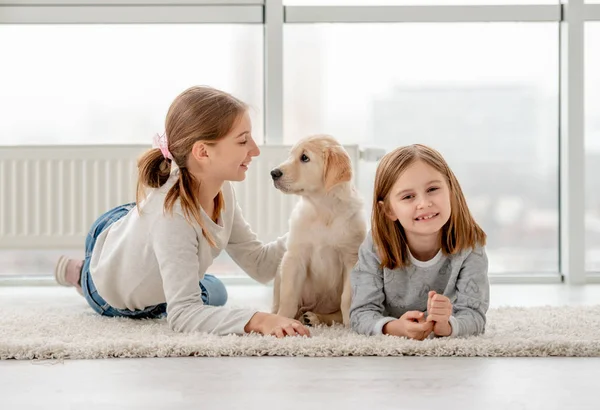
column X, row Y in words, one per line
column 185, row 190
column 153, row 172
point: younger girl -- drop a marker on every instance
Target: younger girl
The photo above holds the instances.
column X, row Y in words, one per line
column 422, row 269
column 145, row 260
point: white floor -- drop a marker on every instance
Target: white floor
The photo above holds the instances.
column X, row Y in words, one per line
column 307, row 383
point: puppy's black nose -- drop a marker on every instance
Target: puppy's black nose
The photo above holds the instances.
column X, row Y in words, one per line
column 276, row 174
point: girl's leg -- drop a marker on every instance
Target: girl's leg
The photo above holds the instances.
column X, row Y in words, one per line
column 68, row 271
column 214, row 292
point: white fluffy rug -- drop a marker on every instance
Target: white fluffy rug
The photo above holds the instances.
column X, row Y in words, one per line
column 74, row 331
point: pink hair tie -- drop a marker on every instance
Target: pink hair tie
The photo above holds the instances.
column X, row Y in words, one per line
column 160, row 141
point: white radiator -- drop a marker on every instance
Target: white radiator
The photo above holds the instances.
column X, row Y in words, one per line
column 51, row 195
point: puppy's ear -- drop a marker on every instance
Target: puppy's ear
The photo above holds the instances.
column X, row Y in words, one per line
column 337, row 168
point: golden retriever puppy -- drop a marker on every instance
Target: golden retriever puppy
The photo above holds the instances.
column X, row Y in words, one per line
column 327, row 227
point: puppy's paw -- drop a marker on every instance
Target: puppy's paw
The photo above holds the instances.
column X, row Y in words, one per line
column 310, row 319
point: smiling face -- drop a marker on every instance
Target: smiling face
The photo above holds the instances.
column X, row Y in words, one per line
column 230, row 157
column 315, row 165
column 420, row 200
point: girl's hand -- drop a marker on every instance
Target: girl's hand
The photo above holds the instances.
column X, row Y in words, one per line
column 279, row 326
column 412, row 324
column 439, row 309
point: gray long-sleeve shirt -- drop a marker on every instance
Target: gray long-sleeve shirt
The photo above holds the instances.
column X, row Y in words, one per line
column 380, row 295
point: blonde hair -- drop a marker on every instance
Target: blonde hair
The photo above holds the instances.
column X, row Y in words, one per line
column 197, row 114
column 459, row 233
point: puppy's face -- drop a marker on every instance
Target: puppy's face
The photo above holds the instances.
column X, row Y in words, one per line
column 315, row 165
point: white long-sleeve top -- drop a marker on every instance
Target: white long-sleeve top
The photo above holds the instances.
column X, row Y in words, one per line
column 154, row 257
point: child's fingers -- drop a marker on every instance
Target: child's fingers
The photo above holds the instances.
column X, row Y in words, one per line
column 434, row 308
column 440, row 306
column 302, row 331
column 419, row 330
column 429, row 328
column 439, row 303
column 419, row 326
column 438, row 317
column 412, row 315
column 440, row 312
column 430, row 297
column 425, row 327
column 290, row 330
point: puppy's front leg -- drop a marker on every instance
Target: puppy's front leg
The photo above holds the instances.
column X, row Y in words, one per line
column 312, row 319
column 293, row 275
column 276, row 291
column 346, row 294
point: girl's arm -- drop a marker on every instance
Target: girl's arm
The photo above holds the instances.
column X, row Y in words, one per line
column 258, row 260
column 366, row 312
column 175, row 244
column 472, row 296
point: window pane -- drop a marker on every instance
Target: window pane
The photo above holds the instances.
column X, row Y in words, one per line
column 485, row 95
column 410, row 2
column 592, row 146
column 113, row 84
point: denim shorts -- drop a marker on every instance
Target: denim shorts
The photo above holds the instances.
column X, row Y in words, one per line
column 213, row 290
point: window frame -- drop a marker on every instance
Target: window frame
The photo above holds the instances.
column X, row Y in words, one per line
column 274, row 15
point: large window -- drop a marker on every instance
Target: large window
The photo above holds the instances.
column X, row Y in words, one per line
column 112, row 84
column 592, row 146
column 485, row 95
column 478, row 80
column 412, row 2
